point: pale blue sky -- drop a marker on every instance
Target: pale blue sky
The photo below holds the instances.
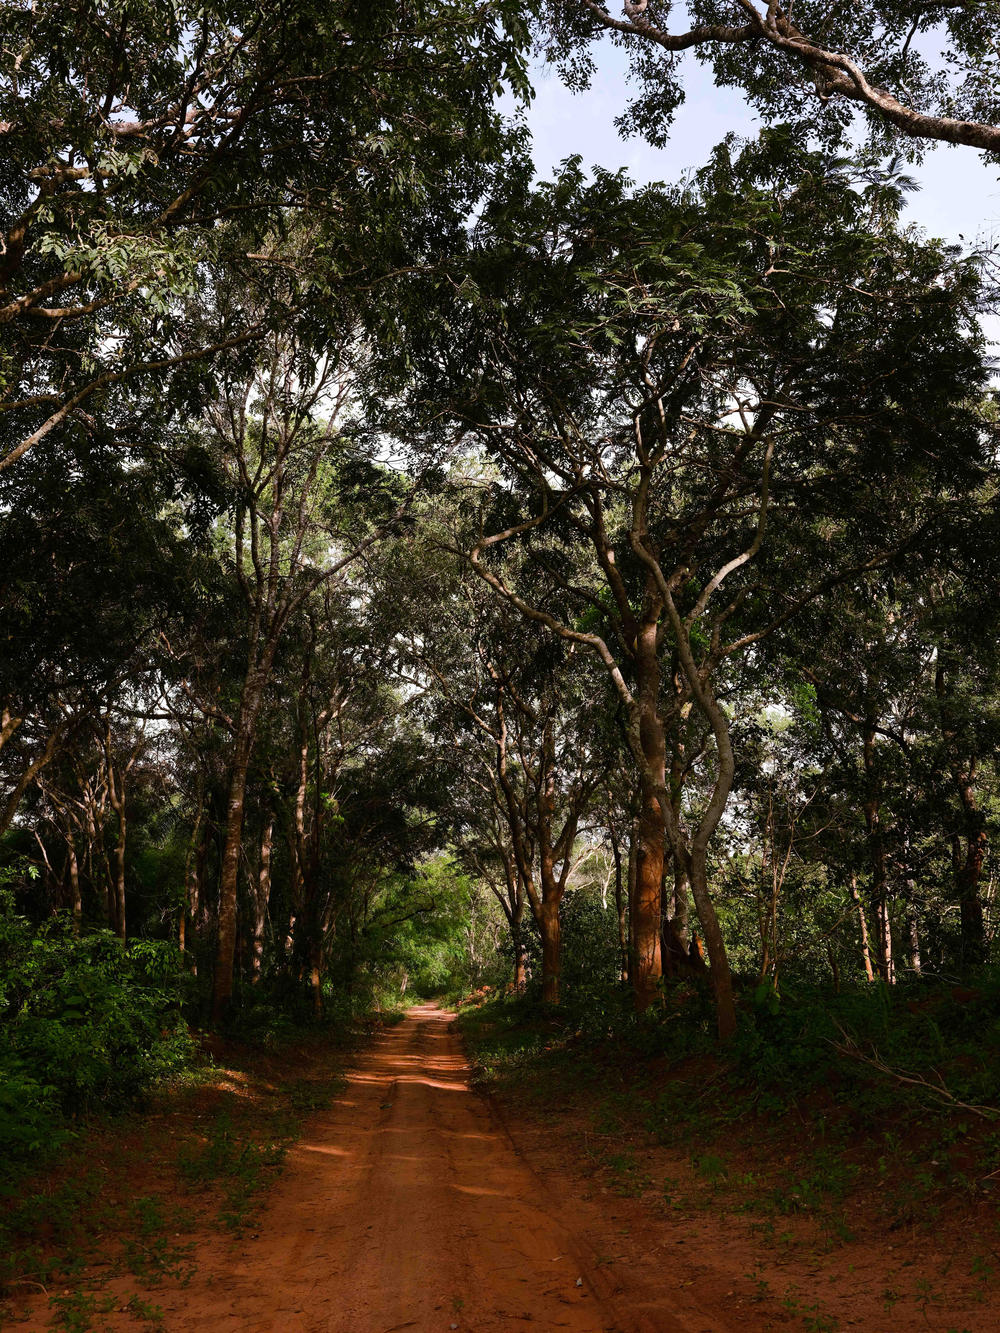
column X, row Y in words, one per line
column 959, row 195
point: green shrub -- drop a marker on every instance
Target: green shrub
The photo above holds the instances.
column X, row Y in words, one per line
column 85, row 1023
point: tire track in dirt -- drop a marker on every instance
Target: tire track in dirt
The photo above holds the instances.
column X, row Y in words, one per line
column 407, row 1207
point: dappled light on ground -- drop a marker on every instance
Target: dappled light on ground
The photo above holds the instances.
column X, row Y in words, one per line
column 407, row 1207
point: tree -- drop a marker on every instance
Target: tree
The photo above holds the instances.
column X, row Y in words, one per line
column 287, row 541
column 150, row 150
column 94, row 562
column 918, row 71
column 681, row 391
column 518, row 717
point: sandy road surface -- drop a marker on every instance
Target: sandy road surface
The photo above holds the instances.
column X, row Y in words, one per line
column 408, row 1207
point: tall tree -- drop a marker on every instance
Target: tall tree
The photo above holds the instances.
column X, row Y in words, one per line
column 149, row 146
column 518, row 716
column 288, row 537
column 685, row 393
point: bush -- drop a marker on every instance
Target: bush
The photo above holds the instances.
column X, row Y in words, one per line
column 84, row 1023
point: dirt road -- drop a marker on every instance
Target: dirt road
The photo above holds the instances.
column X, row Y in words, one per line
column 408, row 1207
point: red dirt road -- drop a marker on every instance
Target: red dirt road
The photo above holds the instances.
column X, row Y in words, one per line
column 407, row 1206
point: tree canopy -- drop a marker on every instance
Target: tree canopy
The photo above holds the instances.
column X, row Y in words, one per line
column 406, row 558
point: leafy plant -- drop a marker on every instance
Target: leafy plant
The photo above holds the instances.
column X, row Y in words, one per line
column 84, row 1023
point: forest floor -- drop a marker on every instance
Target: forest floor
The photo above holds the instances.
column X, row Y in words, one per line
column 751, row 1219
column 411, row 1200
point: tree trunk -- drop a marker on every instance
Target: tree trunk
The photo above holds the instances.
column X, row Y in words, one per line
column 192, row 879
column 222, row 990
column 886, row 965
column 719, row 969
column 520, row 959
column 880, row 872
column 262, row 896
column 621, row 910
column 644, row 907
column 866, row 952
column 76, row 900
column 31, row 770
column 913, row 940
column 550, row 929
column 681, row 904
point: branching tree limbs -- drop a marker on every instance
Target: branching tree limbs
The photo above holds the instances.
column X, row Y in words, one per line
column 152, row 155
column 675, row 419
column 919, row 71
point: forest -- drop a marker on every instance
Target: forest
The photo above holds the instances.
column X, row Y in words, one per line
column 429, row 579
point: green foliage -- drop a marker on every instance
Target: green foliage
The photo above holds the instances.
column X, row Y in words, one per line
column 85, row 1024
column 242, row 1163
column 950, row 71
column 591, row 957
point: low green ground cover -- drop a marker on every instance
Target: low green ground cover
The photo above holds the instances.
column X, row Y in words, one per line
column 820, row 1100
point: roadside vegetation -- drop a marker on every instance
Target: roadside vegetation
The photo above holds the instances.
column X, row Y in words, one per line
column 112, row 1205
column 834, row 1133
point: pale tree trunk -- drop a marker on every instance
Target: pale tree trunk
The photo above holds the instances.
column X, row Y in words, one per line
column 193, row 865
column 621, row 909
column 886, row 964
column 913, row 941
column 633, row 879
column 262, row 896
column 520, row 958
column 644, row 906
column 28, row 775
column 514, row 911
column 680, row 894
column 866, row 952
column 49, row 878
column 696, row 863
column 681, row 902
column 93, row 810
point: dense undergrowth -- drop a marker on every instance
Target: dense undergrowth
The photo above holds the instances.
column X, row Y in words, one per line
column 86, row 1024
column 873, row 1103
column 91, row 1027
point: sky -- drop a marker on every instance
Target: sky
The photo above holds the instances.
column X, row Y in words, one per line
column 959, row 195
